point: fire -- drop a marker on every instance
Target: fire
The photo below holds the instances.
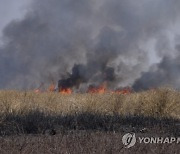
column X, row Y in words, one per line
column 97, row 89
column 127, row 90
column 101, row 89
column 37, row 90
column 52, row 88
column 66, row 91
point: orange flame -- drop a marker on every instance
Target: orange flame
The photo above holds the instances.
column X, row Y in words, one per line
column 52, row 88
column 37, row 91
column 66, row 91
column 127, row 90
column 99, row 89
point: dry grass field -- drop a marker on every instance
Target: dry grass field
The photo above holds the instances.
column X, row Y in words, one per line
column 162, row 102
column 86, row 123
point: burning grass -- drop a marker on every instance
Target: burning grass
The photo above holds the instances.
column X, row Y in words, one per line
column 161, row 102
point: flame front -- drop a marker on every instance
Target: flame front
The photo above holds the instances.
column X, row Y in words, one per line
column 52, row 88
column 65, row 91
column 99, row 89
column 126, row 90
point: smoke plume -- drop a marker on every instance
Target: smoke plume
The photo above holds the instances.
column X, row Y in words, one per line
column 79, row 43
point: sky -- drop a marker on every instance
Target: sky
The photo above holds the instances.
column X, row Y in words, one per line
column 12, row 10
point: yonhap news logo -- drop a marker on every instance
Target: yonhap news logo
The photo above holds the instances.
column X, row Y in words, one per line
column 130, row 139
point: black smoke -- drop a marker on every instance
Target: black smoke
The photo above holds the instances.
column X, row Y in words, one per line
column 74, row 79
column 79, row 76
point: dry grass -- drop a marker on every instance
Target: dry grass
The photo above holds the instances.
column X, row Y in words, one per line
column 32, row 113
column 159, row 103
column 86, row 123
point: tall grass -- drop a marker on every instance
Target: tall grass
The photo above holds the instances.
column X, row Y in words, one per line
column 34, row 113
column 162, row 102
